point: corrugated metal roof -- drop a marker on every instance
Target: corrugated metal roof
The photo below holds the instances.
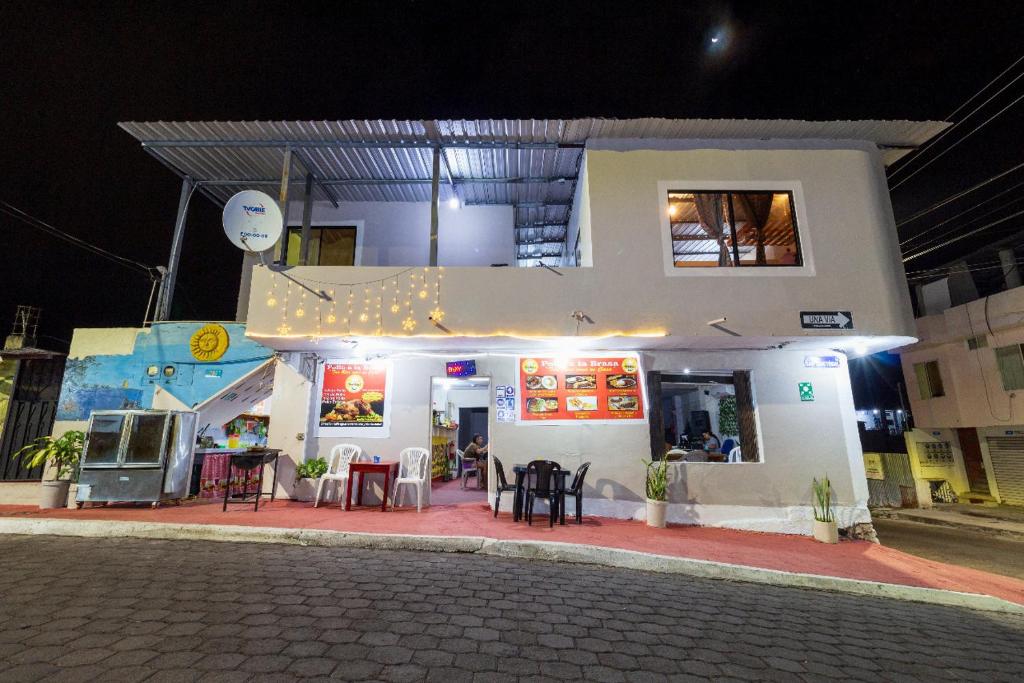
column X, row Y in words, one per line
column 531, row 164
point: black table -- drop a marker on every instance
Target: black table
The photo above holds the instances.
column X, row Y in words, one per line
column 519, row 499
column 248, row 461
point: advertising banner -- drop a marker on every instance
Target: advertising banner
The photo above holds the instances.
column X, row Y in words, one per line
column 584, row 389
column 355, row 399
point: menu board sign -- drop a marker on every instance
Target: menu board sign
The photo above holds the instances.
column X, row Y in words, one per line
column 589, row 389
column 355, row 399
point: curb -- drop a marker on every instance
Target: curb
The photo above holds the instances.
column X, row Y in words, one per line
column 531, row 550
column 1012, row 534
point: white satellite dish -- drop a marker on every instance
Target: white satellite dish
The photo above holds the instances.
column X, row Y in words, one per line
column 252, row 221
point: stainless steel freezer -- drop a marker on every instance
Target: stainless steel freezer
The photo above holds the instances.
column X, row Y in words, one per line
column 142, row 456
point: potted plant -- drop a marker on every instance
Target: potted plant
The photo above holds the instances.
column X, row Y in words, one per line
column 306, row 475
column 61, row 453
column 657, row 493
column 825, row 529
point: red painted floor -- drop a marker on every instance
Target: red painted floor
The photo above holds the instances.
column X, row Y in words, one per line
column 849, row 559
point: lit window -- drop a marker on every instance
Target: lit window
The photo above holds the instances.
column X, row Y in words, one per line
column 735, row 228
column 929, row 381
column 328, row 246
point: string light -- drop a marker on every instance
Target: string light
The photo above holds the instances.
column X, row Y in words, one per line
column 284, row 328
column 348, row 318
column 272, row 293
column 395, row 308
column 419, row 289
column 332, row 316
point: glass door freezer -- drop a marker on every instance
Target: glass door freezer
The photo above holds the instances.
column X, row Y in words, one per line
column 141, row 456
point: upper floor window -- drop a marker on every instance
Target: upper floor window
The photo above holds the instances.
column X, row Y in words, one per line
column 733, row 228
column 1011, row 367
column 975, row 343
column 328, row 245
column 929, row 380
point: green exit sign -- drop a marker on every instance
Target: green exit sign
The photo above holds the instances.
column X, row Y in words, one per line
column 806, row 391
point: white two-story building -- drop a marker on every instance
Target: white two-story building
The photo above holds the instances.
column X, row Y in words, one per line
column 620, row 286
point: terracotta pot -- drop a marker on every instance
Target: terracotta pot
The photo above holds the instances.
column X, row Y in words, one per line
column 53, row 494
column 826, row 532
column 656, row 511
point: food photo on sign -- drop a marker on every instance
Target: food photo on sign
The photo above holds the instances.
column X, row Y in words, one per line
column 595, row 389
column 354, row 399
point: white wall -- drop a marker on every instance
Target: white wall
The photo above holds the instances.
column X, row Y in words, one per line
column 398, row 233
column 973, row 386
column 844, row 217
column 798, row 440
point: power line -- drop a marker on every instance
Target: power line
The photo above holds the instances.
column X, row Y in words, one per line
column 967, row 210
column 960, row 237
column 987, row 86
column 951, row 147
column 921, row 150
column 30, row 220
column 961, row 227
column 958, row 195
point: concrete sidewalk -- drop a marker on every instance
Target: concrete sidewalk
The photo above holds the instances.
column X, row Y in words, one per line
column 1005, row 520
column 851, row 566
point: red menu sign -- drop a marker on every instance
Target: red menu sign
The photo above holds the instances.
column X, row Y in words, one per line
column 354, row 398
column 579, row 389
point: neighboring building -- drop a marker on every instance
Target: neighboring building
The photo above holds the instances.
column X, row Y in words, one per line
column 965, row 376
column 30, row 380
column 680, row 256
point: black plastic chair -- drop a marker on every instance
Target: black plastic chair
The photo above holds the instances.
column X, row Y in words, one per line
column 539, row 483
column 576, row 491
column 503, row 484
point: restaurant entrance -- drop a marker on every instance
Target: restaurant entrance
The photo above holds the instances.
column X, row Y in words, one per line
column 459, row 412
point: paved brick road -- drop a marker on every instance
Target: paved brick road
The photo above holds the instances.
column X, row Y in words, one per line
column 132, row 610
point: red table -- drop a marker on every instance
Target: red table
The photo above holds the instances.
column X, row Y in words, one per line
column 389, row 468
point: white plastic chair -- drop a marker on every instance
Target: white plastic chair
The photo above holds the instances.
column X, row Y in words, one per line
column 337, row 468
column 412, row 470
column 736, row 455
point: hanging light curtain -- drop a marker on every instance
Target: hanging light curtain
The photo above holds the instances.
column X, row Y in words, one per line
column 758, row 208
column 709, row 211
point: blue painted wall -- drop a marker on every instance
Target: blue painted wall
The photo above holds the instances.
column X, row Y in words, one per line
column 120, row 381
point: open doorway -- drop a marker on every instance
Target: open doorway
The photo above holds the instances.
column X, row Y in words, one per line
column 459, row 412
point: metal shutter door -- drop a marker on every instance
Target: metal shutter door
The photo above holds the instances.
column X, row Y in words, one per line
column 1007, row 455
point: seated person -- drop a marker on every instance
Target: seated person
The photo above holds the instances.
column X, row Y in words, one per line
column 478, row 451
column 711, row 442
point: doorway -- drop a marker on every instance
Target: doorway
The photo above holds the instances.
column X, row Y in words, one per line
column 460, row 408
column 970, row 447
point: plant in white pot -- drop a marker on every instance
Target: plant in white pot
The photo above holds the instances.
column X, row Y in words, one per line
column 825, row 529
column 657, row 493
column 62, row 454
column 306, row 475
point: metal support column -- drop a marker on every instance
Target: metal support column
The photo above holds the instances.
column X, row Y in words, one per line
column 282, row 201
column 307, row 217
column 434, row 198
column 166, row 296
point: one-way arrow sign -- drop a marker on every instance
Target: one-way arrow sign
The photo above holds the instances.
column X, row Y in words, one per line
column 826, row 320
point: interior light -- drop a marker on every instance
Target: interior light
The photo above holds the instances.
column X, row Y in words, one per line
column 876, row 411
column 453, row 203
column 899, row 412
column 686, row 371
column 673, row 209
column 714, row 39
column 860, row 349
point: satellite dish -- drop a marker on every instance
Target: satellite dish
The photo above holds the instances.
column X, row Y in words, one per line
column 252, row 221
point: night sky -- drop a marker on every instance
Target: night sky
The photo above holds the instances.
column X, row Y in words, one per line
column 69, row 73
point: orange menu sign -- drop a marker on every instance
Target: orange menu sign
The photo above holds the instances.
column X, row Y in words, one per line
column 580, row 389
column 353, row 395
